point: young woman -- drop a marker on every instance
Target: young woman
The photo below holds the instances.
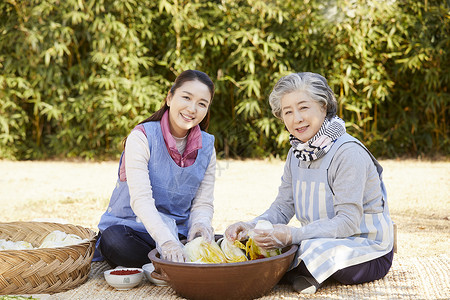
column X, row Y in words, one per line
column 333, row 185
column 164, row 192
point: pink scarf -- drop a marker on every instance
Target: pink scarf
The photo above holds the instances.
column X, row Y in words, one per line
column 193, row 144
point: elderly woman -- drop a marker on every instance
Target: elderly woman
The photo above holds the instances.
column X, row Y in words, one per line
column 333, row 185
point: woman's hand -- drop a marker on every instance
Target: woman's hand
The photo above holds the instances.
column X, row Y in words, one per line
column 238, row 231
column 278, row 237
column 173, row 251
column 200, row 229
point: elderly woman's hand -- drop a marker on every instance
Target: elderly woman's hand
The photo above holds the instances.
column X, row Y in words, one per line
column 238, row 231
column 278, row 237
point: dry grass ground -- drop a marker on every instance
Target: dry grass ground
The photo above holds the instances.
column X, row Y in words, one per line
column 418, row 191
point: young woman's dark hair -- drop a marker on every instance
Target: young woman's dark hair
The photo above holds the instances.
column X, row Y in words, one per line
column 188, row 75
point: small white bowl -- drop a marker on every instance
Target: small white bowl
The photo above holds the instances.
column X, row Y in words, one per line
column 124, row 282
column 148, row 269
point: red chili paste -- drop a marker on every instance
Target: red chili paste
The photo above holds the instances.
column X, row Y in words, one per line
column 124, row 272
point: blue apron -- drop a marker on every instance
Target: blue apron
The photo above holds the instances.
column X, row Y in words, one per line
column 313, row 199
column 173, row 187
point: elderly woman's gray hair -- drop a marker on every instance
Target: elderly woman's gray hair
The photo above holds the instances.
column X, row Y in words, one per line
column 313, row 84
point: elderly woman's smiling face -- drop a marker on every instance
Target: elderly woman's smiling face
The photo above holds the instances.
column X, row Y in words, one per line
column 302, row 115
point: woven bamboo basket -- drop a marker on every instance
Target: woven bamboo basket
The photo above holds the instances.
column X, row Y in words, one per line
column 46, row 270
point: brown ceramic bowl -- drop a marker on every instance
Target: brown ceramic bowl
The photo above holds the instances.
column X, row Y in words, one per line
column 243, row 280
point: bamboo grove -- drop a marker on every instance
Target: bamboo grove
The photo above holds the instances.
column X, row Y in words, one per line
column 77, row 75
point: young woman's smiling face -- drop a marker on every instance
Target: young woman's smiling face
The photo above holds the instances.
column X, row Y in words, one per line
column 188, row 106
column 302, row 115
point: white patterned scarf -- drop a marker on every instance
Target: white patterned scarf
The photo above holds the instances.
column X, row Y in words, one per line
column 321, row 143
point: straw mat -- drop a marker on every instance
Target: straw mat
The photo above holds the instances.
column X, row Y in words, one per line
column 409, row 278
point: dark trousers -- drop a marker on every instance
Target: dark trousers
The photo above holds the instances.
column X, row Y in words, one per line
column 120, row 245
column 360, row 273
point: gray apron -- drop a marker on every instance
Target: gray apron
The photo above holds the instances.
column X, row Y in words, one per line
column 313, row 201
